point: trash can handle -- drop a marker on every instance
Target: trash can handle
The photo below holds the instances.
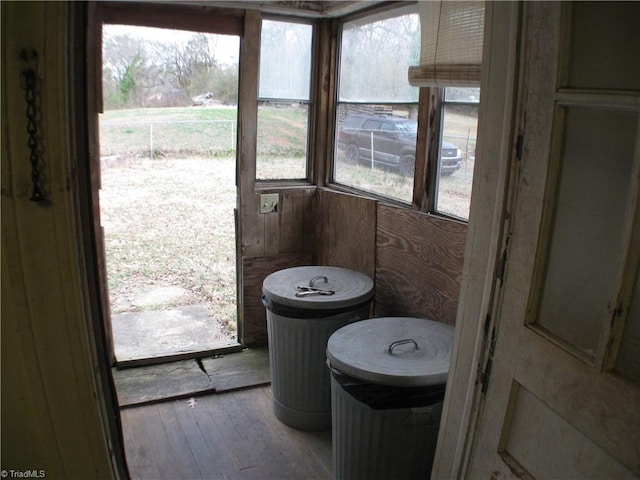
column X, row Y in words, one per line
column 315, row 279
column 267, row 304
column 403, row 342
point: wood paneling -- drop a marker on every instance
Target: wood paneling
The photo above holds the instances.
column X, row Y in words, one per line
column 254, row 327
column 251, row 224
column 291, row 229
column 419, row 261
column 297, row 220
column 415, row 259
column 347, row 231
column 287, row 240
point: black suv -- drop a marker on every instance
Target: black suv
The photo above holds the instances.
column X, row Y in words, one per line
column 393, row 140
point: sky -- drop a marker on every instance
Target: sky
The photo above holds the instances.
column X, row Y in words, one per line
column 226, row 46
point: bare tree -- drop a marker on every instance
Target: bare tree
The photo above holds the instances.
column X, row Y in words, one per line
column 141, row 73
column 375, row 56
column 129, row 77
column 190, row 67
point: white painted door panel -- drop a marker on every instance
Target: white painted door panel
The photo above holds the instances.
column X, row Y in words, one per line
column 562, row 399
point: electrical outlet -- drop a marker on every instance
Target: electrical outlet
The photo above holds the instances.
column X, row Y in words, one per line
column 269, row 202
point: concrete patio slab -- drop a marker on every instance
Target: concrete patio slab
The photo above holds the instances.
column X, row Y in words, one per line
column 151, row 334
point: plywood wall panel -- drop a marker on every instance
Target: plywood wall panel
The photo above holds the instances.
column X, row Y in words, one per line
column 419, row 261
column 347, row 231
column 254, row 331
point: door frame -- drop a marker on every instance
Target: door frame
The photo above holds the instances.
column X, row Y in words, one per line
column 498, row 130
column 481, row 289
column 546, row 394
column 186, row 17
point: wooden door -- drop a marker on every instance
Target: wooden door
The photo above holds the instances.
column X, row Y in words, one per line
column 560, row 390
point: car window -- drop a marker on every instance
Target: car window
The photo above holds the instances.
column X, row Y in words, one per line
column 352, row 122
column 372, row 125
column 408, row 127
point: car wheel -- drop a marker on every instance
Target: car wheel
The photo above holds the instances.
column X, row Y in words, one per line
column 407, row 166
column 353, row 153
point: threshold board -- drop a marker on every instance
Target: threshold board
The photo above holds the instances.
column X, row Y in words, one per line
column 186, row 378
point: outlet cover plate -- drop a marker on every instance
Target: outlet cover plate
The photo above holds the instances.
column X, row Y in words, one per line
column 269, row 202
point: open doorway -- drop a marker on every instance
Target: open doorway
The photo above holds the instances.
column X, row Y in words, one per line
column 168, row 191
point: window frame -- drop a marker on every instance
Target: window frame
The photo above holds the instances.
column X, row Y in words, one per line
column 271, row 183
column 435, row 165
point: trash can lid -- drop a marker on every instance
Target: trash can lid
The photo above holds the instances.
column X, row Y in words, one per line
column 317, row 287
column 393, row 351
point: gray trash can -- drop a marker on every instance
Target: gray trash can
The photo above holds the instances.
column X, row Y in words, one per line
column 305, row 305
column 387, row 388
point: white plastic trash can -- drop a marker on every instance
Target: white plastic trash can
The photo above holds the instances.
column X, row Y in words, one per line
column 388, row 377
column 305, row 305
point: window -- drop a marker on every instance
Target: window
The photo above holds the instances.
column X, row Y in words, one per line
column 284, row 99
column 457, row 151
column 377, row 108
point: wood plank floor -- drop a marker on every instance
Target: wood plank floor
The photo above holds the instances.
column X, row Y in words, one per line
column 230, row 436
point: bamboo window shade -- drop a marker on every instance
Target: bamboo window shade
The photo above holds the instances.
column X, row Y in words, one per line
column 451, row 44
